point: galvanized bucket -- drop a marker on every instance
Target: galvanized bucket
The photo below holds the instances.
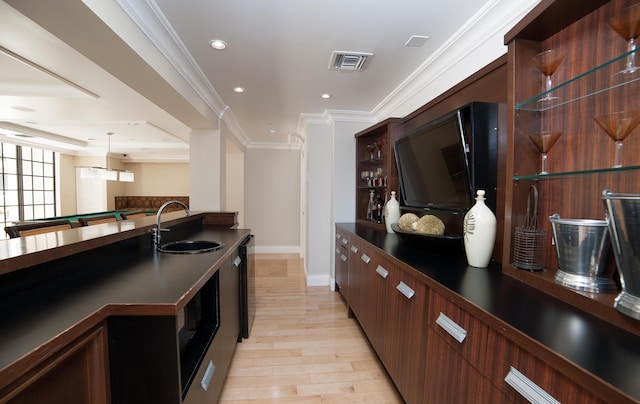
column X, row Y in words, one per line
column 623, row 212
column 583, row 248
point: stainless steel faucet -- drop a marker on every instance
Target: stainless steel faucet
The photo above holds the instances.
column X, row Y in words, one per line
column 158, row 230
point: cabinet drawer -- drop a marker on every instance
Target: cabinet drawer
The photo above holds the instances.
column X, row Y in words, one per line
column 464, row 333
column 451, row 379
column 517, row 373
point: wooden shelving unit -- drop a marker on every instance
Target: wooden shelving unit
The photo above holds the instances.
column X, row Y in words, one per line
column 383, row 134
column 580, row 162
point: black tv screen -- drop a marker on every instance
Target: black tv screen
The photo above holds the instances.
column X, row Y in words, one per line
column 433, row 169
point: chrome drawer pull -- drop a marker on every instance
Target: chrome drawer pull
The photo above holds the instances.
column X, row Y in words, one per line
column 337, row 250
column 382, row 272
column 208, row 374
column 338, row 236
column 365, row 258
column 528, row 389
column 237, row 262
column 405, row 290
column 345, row 241
column 354, row 249
column 451, row 327
column 343, row 258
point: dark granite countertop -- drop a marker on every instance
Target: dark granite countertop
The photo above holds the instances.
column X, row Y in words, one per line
column 604, row 350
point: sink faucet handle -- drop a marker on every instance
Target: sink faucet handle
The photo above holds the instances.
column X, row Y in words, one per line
column 155, row 235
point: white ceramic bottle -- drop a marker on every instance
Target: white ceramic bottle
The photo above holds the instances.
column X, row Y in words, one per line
column 391, row 212
column 479, row 232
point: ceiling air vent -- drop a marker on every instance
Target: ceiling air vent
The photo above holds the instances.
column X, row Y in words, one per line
column 350, row 61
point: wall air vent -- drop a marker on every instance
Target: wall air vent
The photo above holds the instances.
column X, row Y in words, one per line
column 349, row 61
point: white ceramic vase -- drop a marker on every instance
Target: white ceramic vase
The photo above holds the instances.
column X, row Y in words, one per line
column 479, row 233
column 391, row 212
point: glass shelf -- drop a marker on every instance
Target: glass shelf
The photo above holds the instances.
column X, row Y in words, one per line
column 614, row 65
column 551, row 176
column 376, row 160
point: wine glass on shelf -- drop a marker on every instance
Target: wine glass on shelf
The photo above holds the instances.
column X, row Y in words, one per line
column 378, row 150
column 371, row 148
column 378, row 177
column 618, row 126
column 627, row 25
column 364, row 175
column 547, row 62
column 544, row 141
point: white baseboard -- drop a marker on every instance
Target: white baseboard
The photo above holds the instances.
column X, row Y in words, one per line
column 267, row 249
column 318, row 280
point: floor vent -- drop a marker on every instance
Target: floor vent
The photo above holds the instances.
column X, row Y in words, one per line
column 350, row 61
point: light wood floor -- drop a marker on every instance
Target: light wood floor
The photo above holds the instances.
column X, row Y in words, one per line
column 303, row 348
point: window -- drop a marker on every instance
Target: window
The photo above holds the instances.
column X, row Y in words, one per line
column 28, row 183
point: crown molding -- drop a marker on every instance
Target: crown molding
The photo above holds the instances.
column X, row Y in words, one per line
column 331, row 116
column 148, row 17
column 446, row 63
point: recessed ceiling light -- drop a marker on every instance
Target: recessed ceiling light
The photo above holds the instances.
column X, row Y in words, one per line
column 218, row 44
column 273, row 131
column 325, row 96
column 239, row 89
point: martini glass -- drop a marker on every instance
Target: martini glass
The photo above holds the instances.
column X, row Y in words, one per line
column 627, row 25
column 371, row 148
column 618, row 126
column 544, row 141
column 547, row 62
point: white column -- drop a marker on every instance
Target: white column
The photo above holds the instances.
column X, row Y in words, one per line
column 207, row 170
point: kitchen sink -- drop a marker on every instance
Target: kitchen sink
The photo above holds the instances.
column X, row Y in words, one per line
column 190, row 247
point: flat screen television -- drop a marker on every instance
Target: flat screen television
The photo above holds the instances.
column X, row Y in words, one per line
column 443, row 162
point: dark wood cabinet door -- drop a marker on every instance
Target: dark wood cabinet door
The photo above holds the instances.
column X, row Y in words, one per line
column 378, row 285
column 448, row 377
column 342, row 264
column 456, row 348
column 373, row 282
column 405, row 333
column 449, row 314
column 77, row 374
column 358, row 260
column 508, row 357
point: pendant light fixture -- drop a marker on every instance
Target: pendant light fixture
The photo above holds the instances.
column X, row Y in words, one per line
column 108, row 173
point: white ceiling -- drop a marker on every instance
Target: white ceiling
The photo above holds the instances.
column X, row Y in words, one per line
column 65, row 85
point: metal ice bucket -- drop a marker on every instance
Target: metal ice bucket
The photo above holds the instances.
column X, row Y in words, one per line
column 583, row 248
column 623, row 212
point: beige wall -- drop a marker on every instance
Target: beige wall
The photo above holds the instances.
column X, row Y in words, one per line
column 273, row 198
column 151, row 179
column 66, row 185
column 157, row 179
